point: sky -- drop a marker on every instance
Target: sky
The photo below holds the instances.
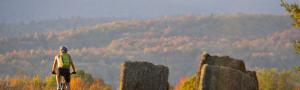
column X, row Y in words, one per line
column 36, row 10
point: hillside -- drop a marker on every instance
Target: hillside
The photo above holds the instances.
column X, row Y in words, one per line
column 263, row 41
column 18, row 29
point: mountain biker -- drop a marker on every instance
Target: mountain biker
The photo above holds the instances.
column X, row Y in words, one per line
column 61, row 65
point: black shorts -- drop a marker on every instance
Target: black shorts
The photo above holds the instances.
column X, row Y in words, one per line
column 65, row 73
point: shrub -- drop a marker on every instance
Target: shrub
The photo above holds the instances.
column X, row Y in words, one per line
column 80, row 81
column 187, row 83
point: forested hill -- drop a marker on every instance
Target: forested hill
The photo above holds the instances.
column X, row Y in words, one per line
column 17, row 29
column 262, row 41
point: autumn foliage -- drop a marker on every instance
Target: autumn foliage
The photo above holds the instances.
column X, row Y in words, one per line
column 78, row 82
column 184, row 83
column 268, row 79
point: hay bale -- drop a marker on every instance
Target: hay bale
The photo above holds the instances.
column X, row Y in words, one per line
column 143, row 76
column 225, row 78
column 224, row 73
column 225, row 61
column 253, row 75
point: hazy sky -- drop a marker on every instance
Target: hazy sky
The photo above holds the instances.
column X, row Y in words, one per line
column 28, row 10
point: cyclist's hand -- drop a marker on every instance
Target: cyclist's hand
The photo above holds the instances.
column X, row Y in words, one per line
column 53, row 72
column 73, row 72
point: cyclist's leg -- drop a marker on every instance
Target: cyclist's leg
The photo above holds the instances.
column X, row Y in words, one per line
column 58, row 78
column 68, row 79
column 57, row 81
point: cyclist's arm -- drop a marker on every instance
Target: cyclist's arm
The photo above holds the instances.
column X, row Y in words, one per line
column 72, row 65
column 54, row 64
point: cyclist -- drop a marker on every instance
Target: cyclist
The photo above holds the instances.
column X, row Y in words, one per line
column 61, row 67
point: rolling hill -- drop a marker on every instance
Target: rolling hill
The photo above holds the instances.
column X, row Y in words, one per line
column 263, row 41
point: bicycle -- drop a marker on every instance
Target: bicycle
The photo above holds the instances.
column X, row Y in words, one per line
column 63, row 85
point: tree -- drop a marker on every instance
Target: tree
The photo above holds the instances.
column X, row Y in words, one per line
column 86, row 77
column 294, row 11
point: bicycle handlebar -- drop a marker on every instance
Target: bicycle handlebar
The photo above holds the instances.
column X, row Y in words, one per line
column 70, row 73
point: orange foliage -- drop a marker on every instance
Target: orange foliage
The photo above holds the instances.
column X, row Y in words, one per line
column 36, row 83
column 77, row 84
column 180, row 83
column 99, row 85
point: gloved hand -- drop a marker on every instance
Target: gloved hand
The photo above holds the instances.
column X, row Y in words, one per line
column 53, row 72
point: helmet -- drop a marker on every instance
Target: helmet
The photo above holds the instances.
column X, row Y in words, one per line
column 64, row 48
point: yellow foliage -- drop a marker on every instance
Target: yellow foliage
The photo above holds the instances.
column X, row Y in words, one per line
column 273, row 79
column 188, row 83
column 50, row 82
column 36, row 83
column 293, row 10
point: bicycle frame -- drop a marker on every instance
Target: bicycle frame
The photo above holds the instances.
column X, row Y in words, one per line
column 62, row 84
